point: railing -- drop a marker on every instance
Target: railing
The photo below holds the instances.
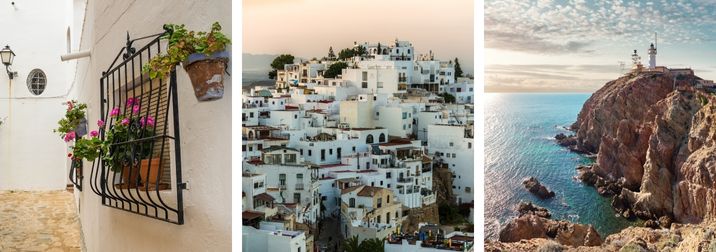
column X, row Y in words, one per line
column 299, row 187
column 76, row 174
column 282, row 187
column 139, row 180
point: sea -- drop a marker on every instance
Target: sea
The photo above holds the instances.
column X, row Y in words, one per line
column 519, row 143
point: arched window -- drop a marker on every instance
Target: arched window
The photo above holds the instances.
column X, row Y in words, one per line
column 369, row 139
column 36, row 81
column 381, row 138
column 352, row 202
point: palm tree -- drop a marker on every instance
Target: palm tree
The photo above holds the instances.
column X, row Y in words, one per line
column 372, row 245
column 351, row 244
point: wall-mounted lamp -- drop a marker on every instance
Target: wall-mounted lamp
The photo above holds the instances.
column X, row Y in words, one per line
column 7, row 55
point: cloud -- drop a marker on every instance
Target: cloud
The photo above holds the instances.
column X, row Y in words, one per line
column 574, row 26
column 548, row 78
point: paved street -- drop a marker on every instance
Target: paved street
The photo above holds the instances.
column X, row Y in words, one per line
column 330, row 235
column 38, row 221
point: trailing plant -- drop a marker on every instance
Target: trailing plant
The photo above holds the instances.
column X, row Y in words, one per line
column 182, row 43
column 73, row 116
column 87, row 148
column 118, row 150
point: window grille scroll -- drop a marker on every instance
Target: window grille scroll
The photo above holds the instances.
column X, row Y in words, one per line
column 145, row 176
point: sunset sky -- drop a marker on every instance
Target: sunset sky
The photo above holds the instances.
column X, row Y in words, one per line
column 306, row 28
column 576, row 45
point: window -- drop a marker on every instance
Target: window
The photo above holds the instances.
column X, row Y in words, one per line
column 364, row 79
column 251, row 114
column 405, row 115
column 297, row 198
column 368, row 139
column 469, row 145
column 36, row 81
column 352, row 202
column 330, row 151
column 295, row 116
column 388, row 174
column 309, row 153
column 378, row 219
column 380, row 202
column 387, row 218
column 338, row 153
column 354, row 149
column 301, row 150
column 243, row 147
column 451, row 144
column 387, row 200
column 299, row 177
column 467, row 189
column 381, row 138
column 260, row 147
column 323, row 154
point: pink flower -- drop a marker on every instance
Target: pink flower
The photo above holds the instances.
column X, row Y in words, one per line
column 70, row 105
column 115, row 112
column 131, row 101
column 125, row 121
column 94, row 133
column 149, row 121
column 100, row 123
column 135, row 109
column 69, row 136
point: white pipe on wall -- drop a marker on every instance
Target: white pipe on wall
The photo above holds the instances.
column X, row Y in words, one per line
column 77, row 55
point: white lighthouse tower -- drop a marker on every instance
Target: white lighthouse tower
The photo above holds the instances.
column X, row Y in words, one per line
column 652, row 54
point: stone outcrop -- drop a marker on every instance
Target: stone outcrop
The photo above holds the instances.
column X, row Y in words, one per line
column 534, row 186
column 415, row 216
column 529, row 208
column 688, row 237
column 530, row 226
column 655, row 139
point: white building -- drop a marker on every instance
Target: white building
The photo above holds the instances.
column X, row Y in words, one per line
column 452, row 145
column 272, row 240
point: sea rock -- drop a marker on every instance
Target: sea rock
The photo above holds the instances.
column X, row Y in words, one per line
column 665, row 221
column 533, row 186
column 651, row 224
column 531, row 226
column 529, row 208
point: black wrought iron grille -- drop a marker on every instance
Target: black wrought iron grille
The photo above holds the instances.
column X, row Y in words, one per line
column 143, row 175
column 76, row 174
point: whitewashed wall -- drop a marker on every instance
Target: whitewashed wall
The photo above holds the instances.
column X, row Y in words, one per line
column 32, row 157
column 205, row 133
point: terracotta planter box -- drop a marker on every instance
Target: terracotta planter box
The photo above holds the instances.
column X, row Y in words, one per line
column 127, row 181
column 149, row 167
column 207, row 74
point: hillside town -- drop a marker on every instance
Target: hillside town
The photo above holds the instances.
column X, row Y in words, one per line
column 369, row 147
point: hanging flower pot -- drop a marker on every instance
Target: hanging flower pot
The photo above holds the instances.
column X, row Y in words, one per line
column 207, row 74
column 150, row 168
column 81, row 129
column 202, row 54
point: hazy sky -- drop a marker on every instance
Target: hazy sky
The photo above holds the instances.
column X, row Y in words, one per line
column 576, row 45
column 306, row 28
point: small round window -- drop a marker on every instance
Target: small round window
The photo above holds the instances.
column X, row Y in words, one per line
column 36, row 81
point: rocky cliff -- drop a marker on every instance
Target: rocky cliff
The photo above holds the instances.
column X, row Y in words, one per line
column 655, row 138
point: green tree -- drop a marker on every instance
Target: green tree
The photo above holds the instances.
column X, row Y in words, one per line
column 372, row 245
column 278, row 63
column 458, row 70
column 345, row 54
column 331, row 54
column 335, row 69
column 447, row 97
column 360, row 51
column 351, row 244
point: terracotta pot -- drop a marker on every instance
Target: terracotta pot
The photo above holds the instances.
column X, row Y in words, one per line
column 207, row 74
column 127, row 181
column 151, row 166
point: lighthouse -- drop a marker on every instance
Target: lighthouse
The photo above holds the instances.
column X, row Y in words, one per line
column 652, row 55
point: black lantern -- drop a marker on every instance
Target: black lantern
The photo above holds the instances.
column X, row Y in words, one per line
column 7, row 55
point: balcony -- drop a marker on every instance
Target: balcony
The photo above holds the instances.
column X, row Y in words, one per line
column 282, row 187
column 299, row 187
column 405, row 180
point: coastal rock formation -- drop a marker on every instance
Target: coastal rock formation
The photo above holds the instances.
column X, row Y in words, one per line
column 655, row 139
column 531, row 226
column 678, row 238
column 533, row 185
column 529, row 208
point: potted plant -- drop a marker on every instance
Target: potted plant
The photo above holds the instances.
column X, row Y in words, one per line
column 202, row 54
column 74, row 123
column 128, row 144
